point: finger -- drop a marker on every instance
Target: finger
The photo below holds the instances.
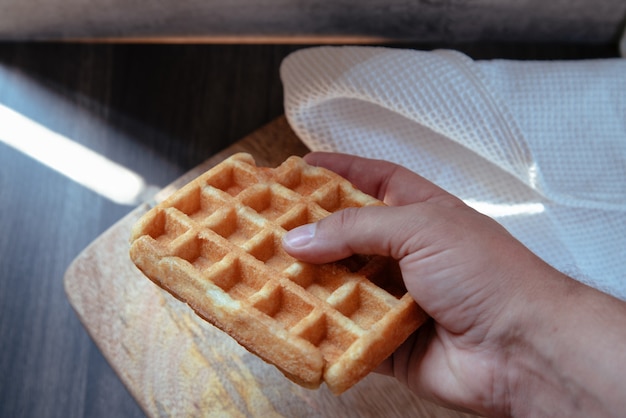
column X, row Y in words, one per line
column 409, row 353
column 391, row 183
column 375, row 230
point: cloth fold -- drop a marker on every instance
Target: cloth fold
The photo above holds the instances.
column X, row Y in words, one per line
column 539, row 146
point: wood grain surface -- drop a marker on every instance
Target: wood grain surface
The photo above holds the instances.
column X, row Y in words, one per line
column 158, row 110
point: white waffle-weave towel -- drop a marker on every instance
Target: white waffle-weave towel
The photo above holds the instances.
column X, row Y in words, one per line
column 539, row 146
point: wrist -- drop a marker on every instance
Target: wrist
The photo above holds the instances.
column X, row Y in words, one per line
column 529, row 383
column 564, row 358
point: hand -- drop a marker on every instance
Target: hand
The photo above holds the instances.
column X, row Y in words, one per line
column 482, row 288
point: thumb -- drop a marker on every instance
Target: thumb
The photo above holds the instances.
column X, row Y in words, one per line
column 371, row 230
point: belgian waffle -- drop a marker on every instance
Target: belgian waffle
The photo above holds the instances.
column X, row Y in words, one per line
column 215, row 244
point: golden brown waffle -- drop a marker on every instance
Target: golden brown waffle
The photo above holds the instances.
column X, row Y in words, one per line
column 216, row 245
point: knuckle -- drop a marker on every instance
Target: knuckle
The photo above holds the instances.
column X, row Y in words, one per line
column 348, row 218
column 339, row 223
column 338, row 229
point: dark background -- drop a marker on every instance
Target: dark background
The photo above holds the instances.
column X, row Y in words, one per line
column 156, row 109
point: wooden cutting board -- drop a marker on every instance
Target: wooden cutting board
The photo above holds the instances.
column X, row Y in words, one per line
column 176, row 364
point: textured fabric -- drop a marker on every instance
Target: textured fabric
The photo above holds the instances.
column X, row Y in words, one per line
column 538, row 146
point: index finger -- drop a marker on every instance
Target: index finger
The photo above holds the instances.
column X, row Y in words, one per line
column 389, row 182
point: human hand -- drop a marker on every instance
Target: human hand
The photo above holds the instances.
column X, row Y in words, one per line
column 464, row 269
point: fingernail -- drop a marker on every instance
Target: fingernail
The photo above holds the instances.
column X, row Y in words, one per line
column 299, row 237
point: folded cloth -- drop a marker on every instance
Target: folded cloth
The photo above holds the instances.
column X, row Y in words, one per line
column 538, row 146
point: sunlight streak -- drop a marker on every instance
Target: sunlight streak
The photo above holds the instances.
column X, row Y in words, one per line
column 82, row 165
column 498, row 210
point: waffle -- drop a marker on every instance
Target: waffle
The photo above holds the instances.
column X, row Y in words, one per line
column 216, row 245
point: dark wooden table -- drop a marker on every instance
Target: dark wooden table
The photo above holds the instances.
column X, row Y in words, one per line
column 158, row 111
